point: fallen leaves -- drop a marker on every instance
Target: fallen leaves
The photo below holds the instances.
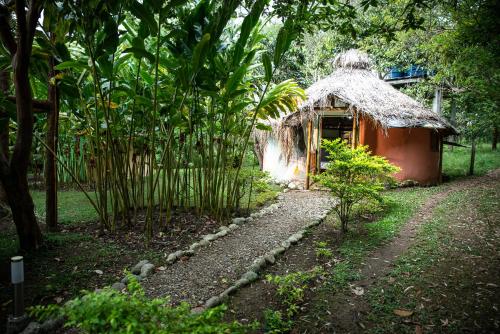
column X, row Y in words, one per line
column 358, row 291
column 403, row 313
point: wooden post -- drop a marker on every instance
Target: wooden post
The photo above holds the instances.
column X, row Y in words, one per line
column 50, row 158
column 320, row 134
column 472, row 157
column 308, row 155
column 440, row 168
column 354, row 129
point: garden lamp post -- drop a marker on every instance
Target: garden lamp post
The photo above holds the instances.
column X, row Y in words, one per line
column 17, row 321
column 17, row 278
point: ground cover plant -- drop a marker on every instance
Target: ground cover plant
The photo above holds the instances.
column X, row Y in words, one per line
column 111, row 311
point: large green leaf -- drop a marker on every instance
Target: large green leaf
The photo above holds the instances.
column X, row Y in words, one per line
column 268, row 67
column 199, row 51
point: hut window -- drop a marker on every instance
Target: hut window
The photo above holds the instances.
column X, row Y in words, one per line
column 434, row 141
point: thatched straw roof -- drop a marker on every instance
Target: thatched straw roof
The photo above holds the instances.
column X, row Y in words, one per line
column 354, row 83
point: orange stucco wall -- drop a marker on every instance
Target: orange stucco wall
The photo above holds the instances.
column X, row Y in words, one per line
column 407, row 148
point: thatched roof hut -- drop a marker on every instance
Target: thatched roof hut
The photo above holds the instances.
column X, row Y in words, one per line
column 354, row 104
column 354, row 83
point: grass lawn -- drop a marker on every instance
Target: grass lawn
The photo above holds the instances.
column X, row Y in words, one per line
column 456, row 161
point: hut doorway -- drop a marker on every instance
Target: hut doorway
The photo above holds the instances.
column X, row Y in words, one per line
column 333, row 127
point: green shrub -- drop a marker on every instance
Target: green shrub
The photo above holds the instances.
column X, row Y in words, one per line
column 110, row 311
column 322, row 250
column 353, row 175
column 275, row 324
column 291, row 288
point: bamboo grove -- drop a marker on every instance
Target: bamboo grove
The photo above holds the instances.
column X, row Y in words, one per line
column 159, row 101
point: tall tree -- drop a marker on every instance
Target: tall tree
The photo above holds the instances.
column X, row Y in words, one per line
column 18, row 42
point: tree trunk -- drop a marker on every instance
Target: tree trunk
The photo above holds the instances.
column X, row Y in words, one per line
column 4, row 130
column 14, row 173
column 495, row 138
column 23, row 211
column 50, row 162
column 472, row 157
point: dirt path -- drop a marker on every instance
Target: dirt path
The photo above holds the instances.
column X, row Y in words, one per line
column 216, row 266
column 347, row 308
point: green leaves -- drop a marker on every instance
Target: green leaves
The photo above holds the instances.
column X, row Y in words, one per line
column 353, row 175
column 140, row 53
column 281, row 98
column 268, row 67
column 199, row 51
column 145, row 15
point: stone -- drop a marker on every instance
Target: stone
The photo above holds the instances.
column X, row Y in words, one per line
column 241, row 283
column 292, row 186
column 210, row 237
column 188, row 252
column 250, row 276
column 270, row 258
column 214, row 301
column 223, row 228
column 286, row 190
column 171, row 257
column 194, row 246
column 261, row 261
column 203, row 242
column 125, row 279
column 228, row 291
column 137, row 268
column 50, row 325
column 32, row 328
column 249, row 219
column 239, row 220
column 293, row 240
column 285, row 244
column 221, row 234
column 147, row 270
column 233, row 227
column 119, row 286
column 278, row 250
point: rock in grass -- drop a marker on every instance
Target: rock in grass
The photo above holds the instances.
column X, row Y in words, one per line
column 119, row 286
column 214, row 301
column 137, row 268
column 147, row 270
column 250, row 276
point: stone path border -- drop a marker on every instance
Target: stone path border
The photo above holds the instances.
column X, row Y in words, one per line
column 259, row 264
